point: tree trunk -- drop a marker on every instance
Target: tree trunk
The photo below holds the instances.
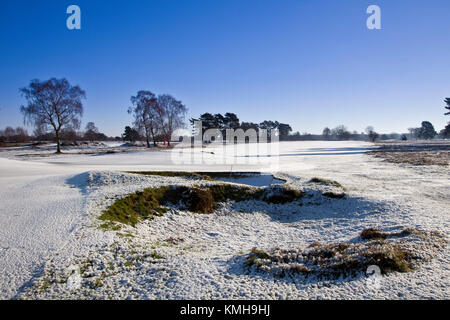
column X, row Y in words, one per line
column 153, row 137
column 58, row 142
column 148, row 140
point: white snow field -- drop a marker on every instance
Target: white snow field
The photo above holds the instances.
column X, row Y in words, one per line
column 49, row 206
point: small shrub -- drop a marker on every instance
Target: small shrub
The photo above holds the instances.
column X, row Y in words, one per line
column 326, row 182
column 151, row 202
column 372, row 233
column 333, row 260
column 201, row 201
column 334, row 195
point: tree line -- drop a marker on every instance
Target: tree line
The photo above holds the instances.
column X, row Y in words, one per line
column 54, row 107
column 231, row 121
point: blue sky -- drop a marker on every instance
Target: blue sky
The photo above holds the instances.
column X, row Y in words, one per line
column 307, row 63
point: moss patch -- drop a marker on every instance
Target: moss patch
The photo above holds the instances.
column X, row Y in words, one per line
column 326, row 182
column 152, row 202
column 372, row 233
column 392, row 252
column 334, row 195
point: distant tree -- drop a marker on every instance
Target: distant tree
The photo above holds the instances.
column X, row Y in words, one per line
column 130, row 134
column 21, row 135
column 219, row 121
column 145, row 112
column 91, row 131
column 371, row 134
column 53, row 103
column 249, row 125
column 341, row 133
column 447, row 102
column 9, row 134
column 404, row 137
column 171, row 113
column 230, row 121
column 68, row 134
column 414, row 133
column 284, row 130
column 268, row 125
column 445, row 133
column 427, row 131
column 209, row 121
column 18, row 135
column 326, row 133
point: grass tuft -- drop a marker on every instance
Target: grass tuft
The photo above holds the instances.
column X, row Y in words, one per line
column 327, row 182
column 372, row 233
column 152, row 202
column 334, row 195
column 391, row 252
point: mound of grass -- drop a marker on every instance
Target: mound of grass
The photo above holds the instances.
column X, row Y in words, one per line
column 377, row 234
column 395, row 252
column 137, row 206
column 372, row 233
column 151, row 202
column 334, row 195
column 326, row 182
column 201, row 201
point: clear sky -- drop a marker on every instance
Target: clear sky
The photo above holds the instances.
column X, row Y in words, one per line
column 307, row 63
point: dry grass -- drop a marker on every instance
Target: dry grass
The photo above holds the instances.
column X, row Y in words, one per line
column 415, row 153
column 152, row 202
column 327, row 182
column 403, row 251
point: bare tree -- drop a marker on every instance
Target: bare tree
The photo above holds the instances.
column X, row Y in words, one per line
column 326, row 133
column 171, row 115
column 371, row 134
column 91, row 132
column 341, row 132
column 53, row 103
column 145, row 111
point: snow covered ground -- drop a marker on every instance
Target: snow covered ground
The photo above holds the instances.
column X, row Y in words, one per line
column 49, row 206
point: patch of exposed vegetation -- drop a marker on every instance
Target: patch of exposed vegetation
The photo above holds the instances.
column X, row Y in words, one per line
column 327, row 182
column 334, row 195
column 415, row 153
column 372, row 233
column 137, row 206
column 402, row 251
column 153, row 202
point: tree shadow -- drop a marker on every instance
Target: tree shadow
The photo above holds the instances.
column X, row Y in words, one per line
column 79, row 181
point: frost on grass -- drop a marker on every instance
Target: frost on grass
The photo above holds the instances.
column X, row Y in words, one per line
column 152, row 202
column 403, row 251
column 415, row 153
column 327, row 182
column 102, row 274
